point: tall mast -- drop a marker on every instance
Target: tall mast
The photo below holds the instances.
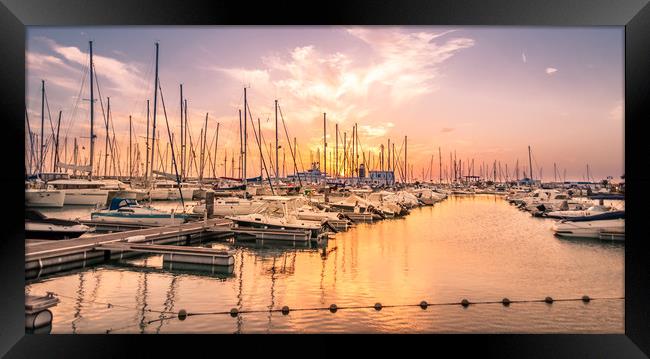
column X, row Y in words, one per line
column 439, row 165
column 277, row 170
column 405, row 157
column 186, row 134
column 56, row 144
column 40, row 164
column 245, row 137
column 345, row 153
column 92, row 112
column 146, row 168
column 388, row 162
column 205, row 146
column 214, row 168
column 130, row 149
column 325, row 144
column 155, row 103
column 530, row 166
column 241, row 145
column 182, row 138
column 259, row 131
column 336, row 155
column 108, row 111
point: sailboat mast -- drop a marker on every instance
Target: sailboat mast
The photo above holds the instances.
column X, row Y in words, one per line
column 277, row 167
column 182, row 137
column 155, row 103
column 108, row 111
column 405, row 156
column 214, row 168
column 40, row 164
column 92, row 112
column 130, row 148
column 325, row 144
column 336, row 152
column 146, row 168
column 56, row 144
column 439, row 165
column 530, row 167
column 245, row 135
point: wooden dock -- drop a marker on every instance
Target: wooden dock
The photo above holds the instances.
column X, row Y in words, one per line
column 290, row 235
column 193, row 255
column 66, row 254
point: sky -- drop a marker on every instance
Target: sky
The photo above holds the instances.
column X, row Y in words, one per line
column 483, row 93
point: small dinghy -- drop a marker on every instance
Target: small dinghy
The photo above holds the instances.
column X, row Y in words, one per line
column 38, row 226
column 128, row 211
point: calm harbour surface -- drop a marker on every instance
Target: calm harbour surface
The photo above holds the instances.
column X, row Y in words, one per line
column 476, row 247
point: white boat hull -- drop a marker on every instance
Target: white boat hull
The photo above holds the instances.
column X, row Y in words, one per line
column 44, row 198
column 590, row 229
column 87, row 197
column 126, row 219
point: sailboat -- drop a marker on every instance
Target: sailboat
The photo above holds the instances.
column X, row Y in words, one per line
column 84, row 191
column 37, row 193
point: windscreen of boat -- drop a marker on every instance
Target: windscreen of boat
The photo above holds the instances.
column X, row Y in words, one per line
column 273, row 209
column 117, row 203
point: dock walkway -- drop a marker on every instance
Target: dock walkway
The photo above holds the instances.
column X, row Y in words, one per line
column 40, row 254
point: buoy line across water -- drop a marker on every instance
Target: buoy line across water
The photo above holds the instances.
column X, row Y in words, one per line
column 182, row 314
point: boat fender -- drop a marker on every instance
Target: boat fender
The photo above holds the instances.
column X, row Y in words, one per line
column 132, row 239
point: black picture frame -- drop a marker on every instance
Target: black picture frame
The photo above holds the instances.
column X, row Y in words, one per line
column 633, row 14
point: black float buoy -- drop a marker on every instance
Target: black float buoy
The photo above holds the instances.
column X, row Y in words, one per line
column 182, row 314
column 285, row 310
column 378, row 306
column 424, row 304
column 548, row 300
column 333, row 308
column 234, row 312
column 464, row 303
column 585, row 298
column 506, row 302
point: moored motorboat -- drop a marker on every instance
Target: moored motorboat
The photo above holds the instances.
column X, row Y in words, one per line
column 278, row 213
column 82, row 191
column 128, row 211
column 609, row 225
column 38, row 226
column 45, row 197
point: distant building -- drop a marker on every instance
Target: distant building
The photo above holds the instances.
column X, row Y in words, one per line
column 311, row 175
column 382, row 178
column 527, row 182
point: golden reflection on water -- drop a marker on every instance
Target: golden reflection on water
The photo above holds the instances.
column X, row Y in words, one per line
column 475, row 247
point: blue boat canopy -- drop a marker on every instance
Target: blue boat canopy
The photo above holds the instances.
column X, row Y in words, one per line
column 117, row 203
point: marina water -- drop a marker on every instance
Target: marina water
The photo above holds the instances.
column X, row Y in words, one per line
column 476, row 247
